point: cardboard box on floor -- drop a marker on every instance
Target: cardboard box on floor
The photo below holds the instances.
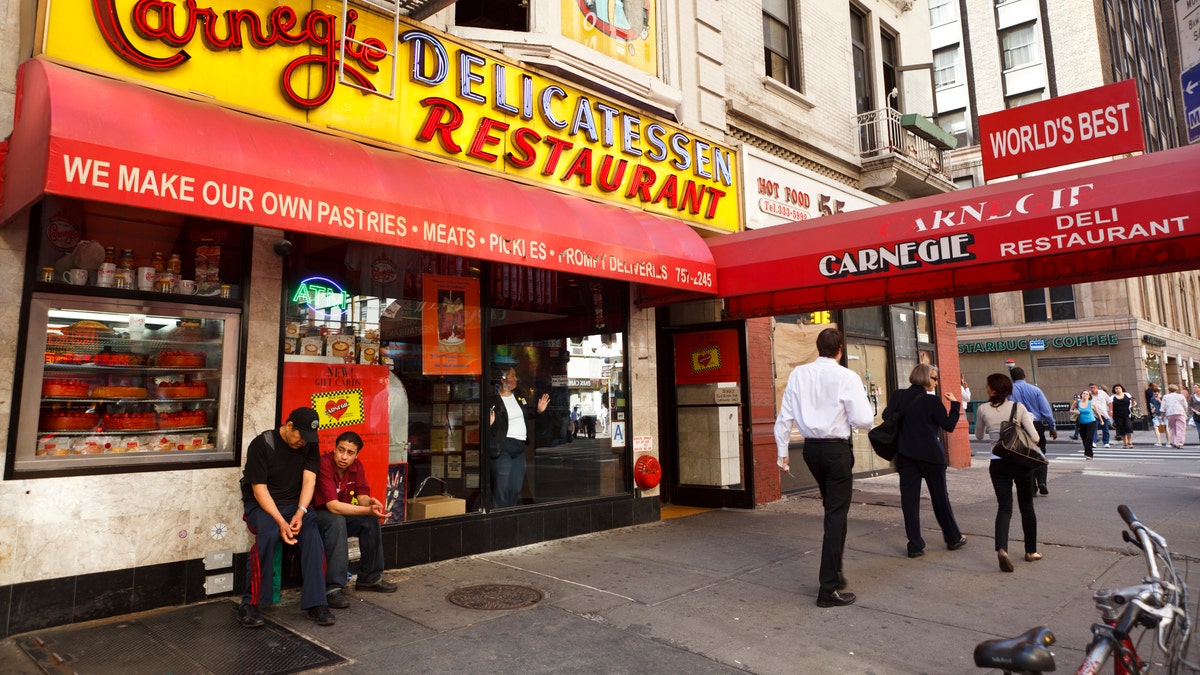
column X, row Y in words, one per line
column 435, row 506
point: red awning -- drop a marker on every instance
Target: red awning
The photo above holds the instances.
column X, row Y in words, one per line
column 1112, row 220
column 88, row 137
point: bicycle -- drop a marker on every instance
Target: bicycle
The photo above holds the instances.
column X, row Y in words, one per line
column 1160, row 603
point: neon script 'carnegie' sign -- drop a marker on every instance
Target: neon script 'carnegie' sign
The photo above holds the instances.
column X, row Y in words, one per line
column 157, row 20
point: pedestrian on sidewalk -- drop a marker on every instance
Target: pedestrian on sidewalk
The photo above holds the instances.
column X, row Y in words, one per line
column 1121, row 407
column 1175, row 409
column 1030, row 396
column 1073, row 411
column 1194, row 406
column 1089, row 416
column 1100, row 395
column 1005, row 474
column 1157, row 419
column 920, row 455
column 825, row 401
column 345, row 508
column 277, row 490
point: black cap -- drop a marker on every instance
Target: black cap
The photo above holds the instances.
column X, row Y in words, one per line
column 306, row 421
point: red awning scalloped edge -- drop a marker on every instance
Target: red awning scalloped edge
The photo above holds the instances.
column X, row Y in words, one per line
column 88, row 137
column 1111, row 220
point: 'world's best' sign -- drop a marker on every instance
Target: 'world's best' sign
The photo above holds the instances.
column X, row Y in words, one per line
column 1099, row 122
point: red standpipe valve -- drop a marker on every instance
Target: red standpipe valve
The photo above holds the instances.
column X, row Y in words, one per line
column 647, row 472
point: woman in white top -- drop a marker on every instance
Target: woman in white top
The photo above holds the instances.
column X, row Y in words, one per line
column 1175, row 409
column 1005, row 475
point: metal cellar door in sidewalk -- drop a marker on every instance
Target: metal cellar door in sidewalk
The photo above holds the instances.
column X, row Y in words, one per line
column 708, row 465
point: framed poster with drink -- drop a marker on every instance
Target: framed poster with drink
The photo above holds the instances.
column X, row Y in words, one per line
column 450, row 333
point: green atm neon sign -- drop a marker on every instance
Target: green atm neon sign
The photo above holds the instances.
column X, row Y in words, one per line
column 320, row 293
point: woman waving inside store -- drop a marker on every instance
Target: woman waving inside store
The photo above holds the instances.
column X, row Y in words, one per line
column 511, row 423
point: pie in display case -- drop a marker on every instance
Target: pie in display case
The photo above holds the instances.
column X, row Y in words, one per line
column 123, row 384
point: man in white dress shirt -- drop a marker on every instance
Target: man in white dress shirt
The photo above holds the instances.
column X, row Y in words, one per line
column 824, row 399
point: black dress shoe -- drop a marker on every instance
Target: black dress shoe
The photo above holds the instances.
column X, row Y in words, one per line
column 249, row 616
column 381, row 586
column 836, row 599
column 337, row 599
column 321, row 615
column 1042, row 489
column 916, row 554
column 958, row 544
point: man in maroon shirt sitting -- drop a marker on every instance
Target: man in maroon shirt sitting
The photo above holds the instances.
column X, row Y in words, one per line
column 346, row 508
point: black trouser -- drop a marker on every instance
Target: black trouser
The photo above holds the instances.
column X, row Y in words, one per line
column 911, row 472
column 831, row 462
column 1005, row 476
column 1041, row 472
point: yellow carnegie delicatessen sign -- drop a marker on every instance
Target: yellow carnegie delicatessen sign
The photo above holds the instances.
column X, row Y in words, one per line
column 448, row 98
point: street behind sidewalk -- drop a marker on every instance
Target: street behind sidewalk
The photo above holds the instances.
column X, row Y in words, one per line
column 734, row 591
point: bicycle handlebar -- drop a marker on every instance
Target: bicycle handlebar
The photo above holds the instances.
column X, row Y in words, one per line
column 1127, row 515
column 1146, row 539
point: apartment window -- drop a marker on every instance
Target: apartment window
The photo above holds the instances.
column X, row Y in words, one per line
column 1034, row 300
column 1062, row 303
column 1017, row 46
column 956, row 123
column 941, row 12
column 863, row 84
column 975, row 310
column 1022, row 99
column 496, row 14
column 1054, row 304
column 779, row 43
column 945, row 67
column 890, row 54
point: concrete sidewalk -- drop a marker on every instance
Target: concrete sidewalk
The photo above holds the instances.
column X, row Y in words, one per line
column 734, row 591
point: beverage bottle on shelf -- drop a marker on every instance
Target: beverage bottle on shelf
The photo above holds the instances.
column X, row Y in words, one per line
column 110, row 255
column 157, row 262
column 174, row 265
column 126, row 261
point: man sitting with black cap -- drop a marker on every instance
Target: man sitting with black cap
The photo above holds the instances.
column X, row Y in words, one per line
column 277, row 488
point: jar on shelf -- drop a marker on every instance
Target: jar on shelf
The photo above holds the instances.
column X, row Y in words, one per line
column 175, row 265
column 126, row 262
column 48, row 274
column 157, row 262
column 110, row 255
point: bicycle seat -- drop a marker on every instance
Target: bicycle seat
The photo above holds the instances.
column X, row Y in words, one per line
column 1027, row 652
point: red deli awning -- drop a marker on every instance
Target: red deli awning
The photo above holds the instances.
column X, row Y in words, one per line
column 1117, row 219
column 83, row 136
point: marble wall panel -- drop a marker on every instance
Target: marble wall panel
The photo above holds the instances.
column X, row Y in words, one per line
column 8, row 551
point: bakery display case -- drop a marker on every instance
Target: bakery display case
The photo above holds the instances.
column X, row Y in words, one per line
column 125, row 384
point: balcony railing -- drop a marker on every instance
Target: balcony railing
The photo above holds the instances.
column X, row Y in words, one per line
column 881, row 134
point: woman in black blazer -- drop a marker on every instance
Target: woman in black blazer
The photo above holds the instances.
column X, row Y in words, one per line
column 510, row 424
column 919, row 454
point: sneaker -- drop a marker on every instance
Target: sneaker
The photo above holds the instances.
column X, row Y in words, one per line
column 249, row 616
column 321, row 615
column 337, row 599
column 958, row 544
column 381, row 586
column 1042, row 490
column 1106, row 445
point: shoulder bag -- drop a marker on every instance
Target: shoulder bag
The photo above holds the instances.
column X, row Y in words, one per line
column 883, row 437
column 1016, row 446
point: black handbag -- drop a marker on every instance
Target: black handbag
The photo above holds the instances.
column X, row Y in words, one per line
column 884, row 436
column 1015, row 444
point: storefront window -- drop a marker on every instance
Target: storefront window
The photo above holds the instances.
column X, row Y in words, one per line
column 413, row 350
column 132, row 348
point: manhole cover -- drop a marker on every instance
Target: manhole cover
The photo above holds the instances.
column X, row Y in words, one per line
column 494, row 596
